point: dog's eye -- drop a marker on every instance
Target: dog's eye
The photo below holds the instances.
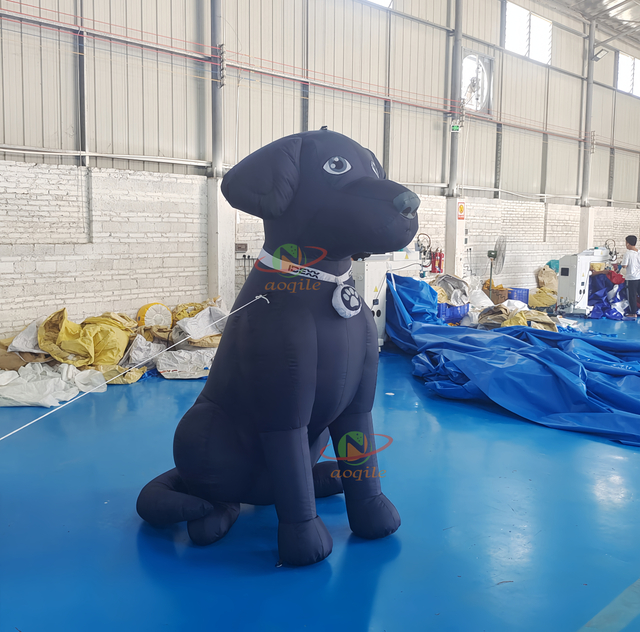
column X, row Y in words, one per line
column 375, row 169
column 337, row 165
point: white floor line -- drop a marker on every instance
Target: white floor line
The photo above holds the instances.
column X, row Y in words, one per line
column 618, row 614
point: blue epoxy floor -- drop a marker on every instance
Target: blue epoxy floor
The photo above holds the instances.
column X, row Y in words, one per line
column 507, row 526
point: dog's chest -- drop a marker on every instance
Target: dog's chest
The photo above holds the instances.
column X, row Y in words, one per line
column 342, row 353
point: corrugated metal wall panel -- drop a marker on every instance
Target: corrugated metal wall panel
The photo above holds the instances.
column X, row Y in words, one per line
column 521, row 161
column 627, row 130
column 257, row 110
column 481, row 19
column 563, row 163
column 432, row 11
column 565, row 101
column 478, row 153
column 359, row 117
column 32, row 85
column 567, row 51
column 524, row 86
column 601, row 120
column 14, row 106
column 265, row 33
column 599, row 187
column 418, row 63
column 625, row 180
column 416, row 145
column 604, row 69
column 348, row 44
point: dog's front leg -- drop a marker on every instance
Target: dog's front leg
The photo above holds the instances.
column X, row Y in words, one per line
column 302, row 536
column 371, row 514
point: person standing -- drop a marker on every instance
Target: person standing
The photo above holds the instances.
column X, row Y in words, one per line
column 631, row 263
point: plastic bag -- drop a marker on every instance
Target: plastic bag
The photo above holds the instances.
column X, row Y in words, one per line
column 42, row 385
column 27, row 339
column 203, row 330
column 185, row 364
column 141, row 353
column 479, row 299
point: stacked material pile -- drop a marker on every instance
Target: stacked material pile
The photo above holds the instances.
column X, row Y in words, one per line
column 54, row 358
column 547, row 293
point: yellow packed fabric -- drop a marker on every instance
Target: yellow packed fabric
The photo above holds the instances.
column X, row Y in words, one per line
column 114, row 371
column 548, row 278
column 11, row 361
column 122, row 321
column 82, row 345
column 598, row 266
column 188, row 310
column 443, row 297
column 516, row 320
column 537, row 320
column 493, row 285
column 155, row 331
column 543, row 297
column 207, row 341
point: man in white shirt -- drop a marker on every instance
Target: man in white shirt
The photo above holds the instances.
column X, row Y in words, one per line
column 631, row 263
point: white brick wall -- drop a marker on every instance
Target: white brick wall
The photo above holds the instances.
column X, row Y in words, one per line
column 143, row 238
column 149, row 242
column 249, row 230
column 535, row 233
column 615, row 223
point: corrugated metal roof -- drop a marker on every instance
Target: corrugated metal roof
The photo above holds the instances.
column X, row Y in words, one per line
column 621, row 17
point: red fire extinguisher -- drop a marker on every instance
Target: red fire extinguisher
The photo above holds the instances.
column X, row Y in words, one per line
column 441, row 261
column 434, row 261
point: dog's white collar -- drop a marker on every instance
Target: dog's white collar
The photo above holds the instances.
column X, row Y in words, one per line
column 345, row 299
column 303, row 271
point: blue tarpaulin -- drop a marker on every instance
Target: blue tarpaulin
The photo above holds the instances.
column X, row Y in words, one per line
column 567, row 380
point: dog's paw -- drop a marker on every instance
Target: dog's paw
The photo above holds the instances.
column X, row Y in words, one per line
column 350, row 297
column 373, row 517
column 304, row 543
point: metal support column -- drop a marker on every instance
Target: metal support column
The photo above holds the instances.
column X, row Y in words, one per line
column 456, row 72
column 586, row 163
column 217, row 77
column 82, row 97
column 221, row 218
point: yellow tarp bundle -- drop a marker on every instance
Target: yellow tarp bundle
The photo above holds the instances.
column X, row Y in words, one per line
column 113, row 370
column 537, row 320
column 443, row 297
column 189, row 310
column 485, row 286
column 543, row 297
column 99, row 340
column 114, row 319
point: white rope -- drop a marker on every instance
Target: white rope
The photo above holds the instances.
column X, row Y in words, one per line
column 137, row 366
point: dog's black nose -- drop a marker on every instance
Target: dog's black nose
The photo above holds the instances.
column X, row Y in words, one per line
column 407, row 203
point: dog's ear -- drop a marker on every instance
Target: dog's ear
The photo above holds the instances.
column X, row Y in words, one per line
column 264, row 183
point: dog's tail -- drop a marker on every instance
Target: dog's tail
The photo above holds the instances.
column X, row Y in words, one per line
column 165, row 501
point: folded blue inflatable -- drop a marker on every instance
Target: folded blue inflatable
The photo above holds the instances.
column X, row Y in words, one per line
column 568, row 380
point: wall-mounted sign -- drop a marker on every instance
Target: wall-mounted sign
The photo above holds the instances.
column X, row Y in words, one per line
column 461, row 210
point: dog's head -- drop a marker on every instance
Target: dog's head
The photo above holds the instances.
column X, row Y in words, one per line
column 323, row 189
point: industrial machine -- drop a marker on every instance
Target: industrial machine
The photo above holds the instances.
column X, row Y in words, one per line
column 370, row 281
column 573, row 279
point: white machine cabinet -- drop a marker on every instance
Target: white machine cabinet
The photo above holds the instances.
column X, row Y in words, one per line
column 573, row 279
column 370, row 282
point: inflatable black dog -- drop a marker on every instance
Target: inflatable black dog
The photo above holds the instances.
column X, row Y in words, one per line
column 301, row 365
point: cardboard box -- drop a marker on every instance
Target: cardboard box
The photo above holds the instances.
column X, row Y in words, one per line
column 497, row 296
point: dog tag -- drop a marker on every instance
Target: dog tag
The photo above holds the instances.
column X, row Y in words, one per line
column 346, row 301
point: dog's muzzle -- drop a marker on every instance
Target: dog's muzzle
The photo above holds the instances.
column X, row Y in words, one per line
column 407, row 203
